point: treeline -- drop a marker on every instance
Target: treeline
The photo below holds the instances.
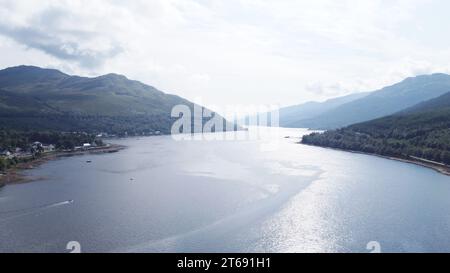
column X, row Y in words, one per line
column 94, row 124
column 117, row 125
column 424, row 135
column 11, row 139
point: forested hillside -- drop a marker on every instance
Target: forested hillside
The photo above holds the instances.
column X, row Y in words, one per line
column 421, row 131
column 32, row 98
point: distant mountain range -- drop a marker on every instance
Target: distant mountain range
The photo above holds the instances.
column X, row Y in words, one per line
column 33, row 98
column 344, row 111
column 293, row 115
column 419, row 132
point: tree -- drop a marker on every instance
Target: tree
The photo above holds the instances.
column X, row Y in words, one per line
column 3, row 164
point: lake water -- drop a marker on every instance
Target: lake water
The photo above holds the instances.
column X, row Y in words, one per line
column 262, row 195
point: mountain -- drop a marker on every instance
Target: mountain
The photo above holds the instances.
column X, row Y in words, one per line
column 33, row 98
column 383, row 102
column 421, row 131
column 436, row 104
column 290, row 116
column 293, row 115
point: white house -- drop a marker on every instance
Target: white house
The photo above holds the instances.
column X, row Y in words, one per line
column 86, row 145
column 49, row 148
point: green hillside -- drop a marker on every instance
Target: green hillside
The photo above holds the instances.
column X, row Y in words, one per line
column 33, row 98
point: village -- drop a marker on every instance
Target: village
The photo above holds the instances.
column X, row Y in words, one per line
column 19, row 147
column 38, row 148
column 12, row 161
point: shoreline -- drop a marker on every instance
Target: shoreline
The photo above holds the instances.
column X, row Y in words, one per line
column 15, row 174
column 445, row 170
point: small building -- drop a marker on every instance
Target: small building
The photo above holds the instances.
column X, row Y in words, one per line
column 48, row 148
column 87, row 146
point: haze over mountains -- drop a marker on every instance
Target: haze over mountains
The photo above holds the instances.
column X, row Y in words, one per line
column 34, row 98
column 290, row 116
column 353, row 109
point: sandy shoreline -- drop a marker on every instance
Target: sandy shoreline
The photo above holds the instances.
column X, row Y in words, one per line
column 441, row 169
column 15, row 174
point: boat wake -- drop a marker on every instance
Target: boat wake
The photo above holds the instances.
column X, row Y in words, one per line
column 12, row 214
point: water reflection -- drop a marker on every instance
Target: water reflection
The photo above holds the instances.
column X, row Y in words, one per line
column 208, row 196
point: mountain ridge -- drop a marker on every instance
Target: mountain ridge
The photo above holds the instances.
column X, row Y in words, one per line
column 33, row 98
column 290, row 116
column 382, row 102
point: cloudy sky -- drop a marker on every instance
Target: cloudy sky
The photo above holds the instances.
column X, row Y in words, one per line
column 233, row 51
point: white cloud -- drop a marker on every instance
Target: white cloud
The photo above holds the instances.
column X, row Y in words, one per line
column 232, row 51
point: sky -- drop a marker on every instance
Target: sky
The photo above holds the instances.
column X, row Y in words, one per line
column 229, row 52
